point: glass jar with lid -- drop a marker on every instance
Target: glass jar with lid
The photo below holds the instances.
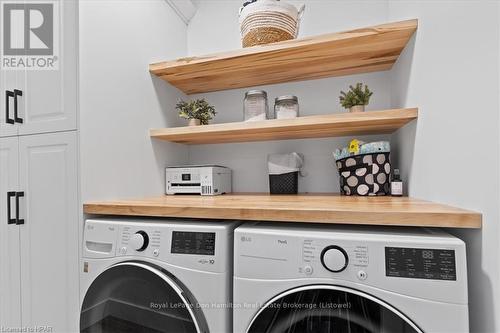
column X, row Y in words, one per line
column 255, row 105
column 286, row 107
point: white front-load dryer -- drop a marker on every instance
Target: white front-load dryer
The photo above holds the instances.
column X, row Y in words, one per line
column 156, row 275
column 322, row 279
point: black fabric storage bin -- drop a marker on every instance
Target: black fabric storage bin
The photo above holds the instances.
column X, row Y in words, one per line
column 286, row 183
column 367, row 174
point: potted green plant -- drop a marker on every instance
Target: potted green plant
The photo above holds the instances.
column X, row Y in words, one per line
column 356, row 98
column 198, row 112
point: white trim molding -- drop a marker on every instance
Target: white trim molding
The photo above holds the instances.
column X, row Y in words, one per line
column 185, row 9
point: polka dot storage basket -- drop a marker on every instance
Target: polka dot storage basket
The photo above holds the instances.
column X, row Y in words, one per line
column 269, row 21
column 366, row 172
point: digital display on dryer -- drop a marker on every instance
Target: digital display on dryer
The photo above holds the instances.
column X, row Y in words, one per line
column 186, row 242
column 435, row 264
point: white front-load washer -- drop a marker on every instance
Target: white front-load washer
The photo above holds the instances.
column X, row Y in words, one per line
column 156, row 275
column 319, row 279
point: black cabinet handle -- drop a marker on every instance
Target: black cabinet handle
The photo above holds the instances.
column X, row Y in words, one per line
column 10, row 220
column 8, row 95
column 18, row 220
column 17, row 92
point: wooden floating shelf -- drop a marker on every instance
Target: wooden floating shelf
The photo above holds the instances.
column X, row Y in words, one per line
column 343, row 124
column 312, row 208
column 363, row 50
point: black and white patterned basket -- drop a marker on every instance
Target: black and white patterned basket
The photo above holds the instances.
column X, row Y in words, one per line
column 287, row 183
column 367, row 174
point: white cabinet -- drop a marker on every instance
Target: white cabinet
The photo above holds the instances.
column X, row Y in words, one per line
column 10, row 278
column 50, row 99
column 43, row 250
column 49, row 238
column 10, row 81
column 49, row 96
column 39, row 175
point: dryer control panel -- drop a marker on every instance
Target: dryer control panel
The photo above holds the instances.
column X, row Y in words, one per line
column 415, row 262
column 420, row 263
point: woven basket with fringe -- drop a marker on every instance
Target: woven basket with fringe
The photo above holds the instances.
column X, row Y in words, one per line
column 269, row 21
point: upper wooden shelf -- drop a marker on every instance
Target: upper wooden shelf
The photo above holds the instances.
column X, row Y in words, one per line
column 315, row 208
column 351, row 52
column 341, row 124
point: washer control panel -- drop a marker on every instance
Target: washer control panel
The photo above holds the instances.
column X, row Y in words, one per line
column 135, row 240
column 187, row 242
column 203, row 246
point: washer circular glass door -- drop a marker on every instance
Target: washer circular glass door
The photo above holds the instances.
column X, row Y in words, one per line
column 328, row 309
column 136, row 297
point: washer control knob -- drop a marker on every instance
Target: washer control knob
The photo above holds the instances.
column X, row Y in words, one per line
column 139, row 241
column 334, row 258
column 156, row 252
column 308, row 270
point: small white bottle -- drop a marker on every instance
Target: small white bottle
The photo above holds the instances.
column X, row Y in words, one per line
column 396, row 184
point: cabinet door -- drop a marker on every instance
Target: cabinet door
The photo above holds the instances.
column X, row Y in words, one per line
column 50, row 102
column 9, row 80
column 49, row 237
column 10, row 278
column 11, row 77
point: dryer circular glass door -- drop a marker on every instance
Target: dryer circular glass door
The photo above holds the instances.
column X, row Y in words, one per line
column 136, row 297
column 328, row 309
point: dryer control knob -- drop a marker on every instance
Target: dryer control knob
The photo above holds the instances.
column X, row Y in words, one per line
column 139, row 241
column 334, row 258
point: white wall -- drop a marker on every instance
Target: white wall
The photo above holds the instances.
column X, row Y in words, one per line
column 120, row 101
column 450, row 70
column 215, row 28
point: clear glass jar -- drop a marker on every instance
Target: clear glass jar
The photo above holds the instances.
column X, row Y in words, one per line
column 255, row 107
column 286, row 107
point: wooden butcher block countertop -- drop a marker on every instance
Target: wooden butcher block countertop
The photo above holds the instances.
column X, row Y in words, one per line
column 313, row 208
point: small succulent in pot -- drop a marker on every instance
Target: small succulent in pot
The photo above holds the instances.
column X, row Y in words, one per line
column 198, row 112
column 356, row 98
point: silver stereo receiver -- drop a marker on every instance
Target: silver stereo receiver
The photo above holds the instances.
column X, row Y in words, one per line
column 198, row 179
